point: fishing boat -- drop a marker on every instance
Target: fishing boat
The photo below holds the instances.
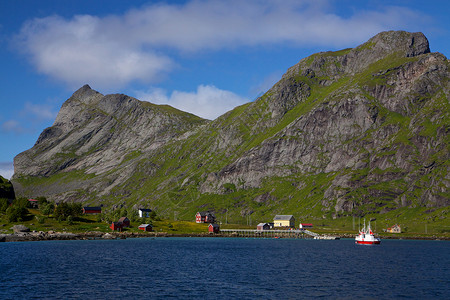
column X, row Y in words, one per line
column 366, row 236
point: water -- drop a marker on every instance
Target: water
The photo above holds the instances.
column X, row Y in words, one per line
column 224, row 268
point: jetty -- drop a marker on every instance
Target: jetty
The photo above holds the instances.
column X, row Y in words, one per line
column 273, row 233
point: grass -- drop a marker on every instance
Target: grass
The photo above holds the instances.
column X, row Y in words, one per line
column 415, row 223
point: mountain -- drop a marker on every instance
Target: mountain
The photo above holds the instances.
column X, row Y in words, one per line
column 351, row 132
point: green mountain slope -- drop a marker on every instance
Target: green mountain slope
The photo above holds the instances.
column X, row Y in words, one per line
column 347, row 133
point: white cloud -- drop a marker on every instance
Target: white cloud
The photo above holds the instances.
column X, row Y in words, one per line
column 112, row 51
column 39, row 112
column 6, row 169
column 207, row 102
column 28, row 117
column 12, row 126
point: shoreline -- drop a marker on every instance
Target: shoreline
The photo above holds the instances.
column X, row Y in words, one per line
column 97, row 235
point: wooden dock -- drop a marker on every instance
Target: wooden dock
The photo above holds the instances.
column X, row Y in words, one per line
column 273, row 233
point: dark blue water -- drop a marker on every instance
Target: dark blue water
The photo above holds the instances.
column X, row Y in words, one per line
column 224, row 268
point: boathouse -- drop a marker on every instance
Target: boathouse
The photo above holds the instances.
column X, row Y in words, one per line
column 214, row 228
column 284, row 221
column 205, row 217
column 125, row 221
column 263, row 226
column 145, row 227
column 144, row 212
column 92, row 210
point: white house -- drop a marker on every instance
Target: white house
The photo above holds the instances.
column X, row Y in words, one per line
column 144, row 212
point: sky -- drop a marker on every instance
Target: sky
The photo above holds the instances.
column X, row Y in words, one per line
column 204, row 57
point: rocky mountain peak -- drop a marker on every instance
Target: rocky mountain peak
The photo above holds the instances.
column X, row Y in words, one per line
column 85, row 94
column 410, row 44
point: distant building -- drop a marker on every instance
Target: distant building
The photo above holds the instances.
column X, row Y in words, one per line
column 33, row 203
column 116, row 226
column 305, row 225
column 144, row 212
column 395, row 229
column 145, row 227
column 205, row 217
column 263, row 226
column 125, row 222
column 284, row 221
column 92, row 210
column 214, row 228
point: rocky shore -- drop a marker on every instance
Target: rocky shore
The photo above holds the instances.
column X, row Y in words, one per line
column 97, row 235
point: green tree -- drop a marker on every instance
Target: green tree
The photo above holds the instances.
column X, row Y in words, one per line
column 21, row 202
column 42, row 200
column 47, row 208
column 16, row 213
column 133, row 215
column 3, row 204
column 62, row 211
column 76, row 209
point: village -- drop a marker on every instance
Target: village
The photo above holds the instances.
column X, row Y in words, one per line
column 66, row 217
column 282, row 226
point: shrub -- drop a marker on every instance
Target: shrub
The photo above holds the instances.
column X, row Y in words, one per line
column 3, row 204
column 41, row 219
column 16, row 213
column 47, row 208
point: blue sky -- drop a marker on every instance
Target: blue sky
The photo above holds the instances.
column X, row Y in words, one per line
column 205, row 57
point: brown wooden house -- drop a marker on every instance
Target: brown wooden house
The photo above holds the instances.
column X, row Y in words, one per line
column 125, row 221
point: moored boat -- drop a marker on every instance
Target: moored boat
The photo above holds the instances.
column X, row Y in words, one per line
column 366, row 236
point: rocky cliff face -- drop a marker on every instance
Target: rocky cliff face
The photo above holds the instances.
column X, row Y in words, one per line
column 349, row 132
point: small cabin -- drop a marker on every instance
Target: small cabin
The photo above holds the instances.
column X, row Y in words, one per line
column 213, row 228
column 306, row 225
column 125, row 221
column 395, row 229
column 116, row 226
column 145, row 227
column 144, row 212
column 33, row 203
column 263, row 226
column 92, row 210
column 205, row 217
column 284, row 221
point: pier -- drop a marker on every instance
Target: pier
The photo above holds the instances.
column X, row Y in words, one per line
column 299, row 234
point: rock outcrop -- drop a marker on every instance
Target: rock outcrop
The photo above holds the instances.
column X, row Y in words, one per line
column 342, row 133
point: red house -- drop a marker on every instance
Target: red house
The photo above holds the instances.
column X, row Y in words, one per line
column 145, row 227
column 125, row 221
column 92, row 210
column 214, row 228
column 205, row 217
column 116, row 226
